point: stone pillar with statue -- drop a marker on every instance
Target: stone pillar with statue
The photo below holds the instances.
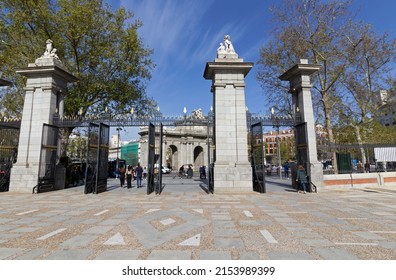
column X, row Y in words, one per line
column 299, row 77
column 232, row 169
column 46, row 85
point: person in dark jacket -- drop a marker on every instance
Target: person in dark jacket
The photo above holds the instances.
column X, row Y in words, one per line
column 129, row 174
column 202, row 172
column 302, row 178
column 189, row 172
column 122, row 176
column 139, row 175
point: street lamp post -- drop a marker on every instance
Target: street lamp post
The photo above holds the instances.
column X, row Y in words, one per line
column 118, row 146
column 277, row 144
column 278, row 151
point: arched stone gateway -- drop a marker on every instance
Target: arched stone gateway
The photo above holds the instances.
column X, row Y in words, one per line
column 198, row 157
column 173, row 157
column 184, row 145
column 218, row 140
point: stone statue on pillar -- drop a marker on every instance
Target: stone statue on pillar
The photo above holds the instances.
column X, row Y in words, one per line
column 232, row 169
column 50, row 51
column 46, row 86
column 226, row 49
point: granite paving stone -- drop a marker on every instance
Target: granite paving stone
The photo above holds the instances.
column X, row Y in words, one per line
column 228, row 242
column 25, row 221
column 118, row 255
column 25, row 229
column 112, row 222
column 97, row 230
column 7, row 227
column 5, row 220
column 226, row 232
column 224, row 224
column 317, row 242
column 32, row 254
column 196, row 225
column 75, row 254
column 389, row 245
column 245, row 255
column 290, row 256
column 79, row 241
column 169, row 255
column 368, row 235
column 214, row 255
column 6, row 253
column 335, row 254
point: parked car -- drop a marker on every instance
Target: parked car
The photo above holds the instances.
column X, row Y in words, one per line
column 165, row 170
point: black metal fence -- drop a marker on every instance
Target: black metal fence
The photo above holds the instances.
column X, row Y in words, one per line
column 48, row 159
column 357, row 158
column 91, row 174
column 103, row 155
column 8, row 154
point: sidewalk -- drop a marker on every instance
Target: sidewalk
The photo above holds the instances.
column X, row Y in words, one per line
column 186, row 223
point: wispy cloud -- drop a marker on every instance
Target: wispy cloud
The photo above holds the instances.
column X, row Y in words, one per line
column 168, row 23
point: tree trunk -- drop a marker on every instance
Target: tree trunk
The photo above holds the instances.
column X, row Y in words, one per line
column 360, row 143
column 329, row 130
column 64, row 137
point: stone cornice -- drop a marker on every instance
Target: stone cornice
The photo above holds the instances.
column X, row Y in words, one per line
column 233, row 67
column 31, row 72
column 300, row 69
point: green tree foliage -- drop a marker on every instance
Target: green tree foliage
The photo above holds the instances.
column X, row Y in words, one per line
column 368, row 72
column 325, row 33
column 77, row 148
column 98, row 45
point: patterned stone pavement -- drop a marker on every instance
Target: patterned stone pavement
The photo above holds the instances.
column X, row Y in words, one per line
column 185, row 223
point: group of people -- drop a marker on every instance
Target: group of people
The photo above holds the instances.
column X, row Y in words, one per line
column 299, row 174
column 186, row 173
column 131, row 174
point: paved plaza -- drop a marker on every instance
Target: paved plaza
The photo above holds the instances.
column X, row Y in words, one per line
column 186, row 223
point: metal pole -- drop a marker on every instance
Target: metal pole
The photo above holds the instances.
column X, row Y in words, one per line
column 118, row 147
column 278, row 151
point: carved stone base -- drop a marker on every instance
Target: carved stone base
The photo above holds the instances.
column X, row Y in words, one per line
column 232, row 179
column 23, row 179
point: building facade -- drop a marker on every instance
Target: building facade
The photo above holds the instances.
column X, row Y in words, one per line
column 387, row 113
column 182, row 145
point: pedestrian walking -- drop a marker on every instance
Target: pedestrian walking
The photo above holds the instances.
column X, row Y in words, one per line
column 302, row 178
column 145, row 173
column 293, row 173
column 129, row 174
column 122, row 176
column 202, row 172
column 286, row 168
column 359, row 167
column 189, row 172
column 181, row 171
column 139, row 175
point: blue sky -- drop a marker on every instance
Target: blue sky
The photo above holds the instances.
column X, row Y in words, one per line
column 185, row 34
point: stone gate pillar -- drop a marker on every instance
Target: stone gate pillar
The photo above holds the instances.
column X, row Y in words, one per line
column 232, row 169
column 46, row 85
column 300, row 88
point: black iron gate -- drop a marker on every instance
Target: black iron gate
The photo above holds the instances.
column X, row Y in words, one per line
column 151, row 159
column 301, row 144
column 302, row 155
column 8, row 154
column 91, row 172
column 48, row 159
column 257, row 157
column 103, row 155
